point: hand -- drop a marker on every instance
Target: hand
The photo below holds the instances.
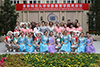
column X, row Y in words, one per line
column 29, row 45
column 9, row 44
column 38, row 45
column 82, row 45
column 64, row 43
column 17, row 46
column 88, row 44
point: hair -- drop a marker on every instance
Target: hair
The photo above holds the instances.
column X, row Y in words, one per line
column 76, row 20
column 70, row 25
column 87, row 33
column 50, row 22
column 45, row 31
column 65, row 30
column 22, row 32
column 64, row 24
column 50, row 32
column 82, row 32
column 68, row 20
column 17, row 21
column 43, row 22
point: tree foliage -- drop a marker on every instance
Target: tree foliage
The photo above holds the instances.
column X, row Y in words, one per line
column 94, row 16
column 8, row 16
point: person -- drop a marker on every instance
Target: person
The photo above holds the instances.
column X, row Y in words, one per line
column 21, row 42
column 15, row 41
column 39, row 24
column 8, row 41
column 68, row 23
column 79, row 28
column 51, row 45
column 30, row 29
column 24, row 29
column 29, row 43
column 58, row 29
column 58, row 41
column 36, row 29
column 66, row 28
column 62, row 25
column 42, row 28
column 37, row 40
column 56, row 24
column 51, row 27
column 44, row 42
column 74, row 42
column 81, row 44
column 17, row 25
column 46, row 25
column 66, row 46
column 75, row 23
column 71, row 28
column 89, row 44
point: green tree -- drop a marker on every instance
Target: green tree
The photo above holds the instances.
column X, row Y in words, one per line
column 8, row 16
column 94, row 16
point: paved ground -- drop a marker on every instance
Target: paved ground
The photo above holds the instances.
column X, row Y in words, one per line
column 3, row 48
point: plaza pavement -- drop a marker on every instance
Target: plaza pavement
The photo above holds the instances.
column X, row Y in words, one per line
column 96, row 44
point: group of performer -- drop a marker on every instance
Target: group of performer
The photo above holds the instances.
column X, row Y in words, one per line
column 49, row 37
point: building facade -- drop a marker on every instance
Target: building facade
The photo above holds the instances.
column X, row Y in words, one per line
column 62, row 15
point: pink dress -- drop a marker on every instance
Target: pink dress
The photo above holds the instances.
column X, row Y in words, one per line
column 24, row 30
column 58, row 29
column 29, row 30
column 66, row 29
column 79, row 29
column 72, row 29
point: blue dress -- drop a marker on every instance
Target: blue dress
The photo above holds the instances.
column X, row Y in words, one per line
column 66, row 47
column 21, row 42
column 30, row 42
column 81, row 42
column 43, row 47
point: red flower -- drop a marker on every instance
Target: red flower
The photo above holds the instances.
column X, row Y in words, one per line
column 89, row 53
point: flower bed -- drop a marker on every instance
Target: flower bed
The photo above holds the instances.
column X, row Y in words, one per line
column 51, row 60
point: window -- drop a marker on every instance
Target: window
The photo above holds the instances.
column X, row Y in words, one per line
column 72, row 1
column 34, row 1
column 64, row 1
column 39, row 1
column 87, row 1
column 79, row 1
column 51, row 1
column 14, row 1
column 68, row 1
column 24, row 2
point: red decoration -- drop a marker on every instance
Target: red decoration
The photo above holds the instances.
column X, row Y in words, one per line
column 48, row 7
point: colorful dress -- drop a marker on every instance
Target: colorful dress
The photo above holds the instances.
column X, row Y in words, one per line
column 58, row 41
column 51, row 48
column 43, row 47
column 79, row 29
column 30, row 42
column 38, row 40
column 16, row 41
column 58, row 29
column 21, row 42
column 24, row 30
column 66, row 47
column 74, row 41
column 89, row 48
column 66, row 29
column 42, row 29
column 81, row 42
column 29, row 30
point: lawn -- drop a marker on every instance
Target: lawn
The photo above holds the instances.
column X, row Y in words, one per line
column 50, row 60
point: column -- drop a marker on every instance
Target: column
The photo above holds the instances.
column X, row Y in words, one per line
column 44, row 18
column 22, row 16
column 39, row 17
column 76, row 14
column 60, row 17
column 82, row 18
column 65, row 17
column 70, row 1
column 28, row 16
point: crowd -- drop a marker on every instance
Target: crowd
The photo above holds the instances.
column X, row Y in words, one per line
column 49, row 37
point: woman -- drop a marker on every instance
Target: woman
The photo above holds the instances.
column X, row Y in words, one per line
column 62, row 25
column 24, row 29
column 15, row 41
column 75, row 23
column 66, row 46
column 58, row 29
column 37, row 41
column 74, row 42
column 44, row 42
column 71, row 28
column 46, row 25
column 8, row 41
column 89, row 44
column 51, row 46
column 30, row 29
column 82, row 43
column 21, row 42
column 29, row 43
column 66, row 28
column 42, row 28
column 58, row 41
column 79, row 28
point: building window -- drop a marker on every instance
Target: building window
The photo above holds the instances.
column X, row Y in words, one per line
column 14, row 1
column 64, row 1
column 39, row 1
column 72, row 1
column 34, row 1
column 24, row 2
column 79, row 1
column 68, row 1
column 87, row 1
column 51, row 1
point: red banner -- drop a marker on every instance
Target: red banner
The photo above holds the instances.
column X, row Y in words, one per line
column 48, row 7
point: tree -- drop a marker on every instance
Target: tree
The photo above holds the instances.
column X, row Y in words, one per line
column 8, row 16
column 94, row 16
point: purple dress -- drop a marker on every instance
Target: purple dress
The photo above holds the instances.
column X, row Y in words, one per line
column 51, row 48
column 90, row 48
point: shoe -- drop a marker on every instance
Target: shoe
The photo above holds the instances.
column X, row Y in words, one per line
column 34, row 50
column 7, row 51
column 14, row 50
